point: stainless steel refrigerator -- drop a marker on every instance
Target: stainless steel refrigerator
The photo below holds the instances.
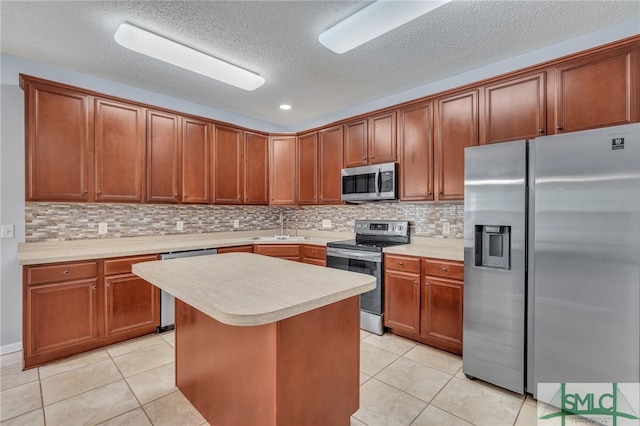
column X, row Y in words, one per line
column 552, row 260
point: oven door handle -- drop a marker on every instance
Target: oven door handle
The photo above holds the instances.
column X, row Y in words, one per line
column 354, row 254
column 378, row 183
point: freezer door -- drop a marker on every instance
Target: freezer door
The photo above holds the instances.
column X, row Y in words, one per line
column 494, row 264
column 587, row 256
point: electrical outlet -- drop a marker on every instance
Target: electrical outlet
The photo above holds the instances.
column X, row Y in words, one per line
column 179, row 225
column 8, row 231
column 102, row 228
column 446, row 228
column 236, row 223
column 326, row 223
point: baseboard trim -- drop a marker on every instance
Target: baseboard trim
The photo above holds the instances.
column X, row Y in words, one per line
column 11, row 347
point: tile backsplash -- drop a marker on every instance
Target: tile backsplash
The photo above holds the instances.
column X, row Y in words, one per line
column 73, row 221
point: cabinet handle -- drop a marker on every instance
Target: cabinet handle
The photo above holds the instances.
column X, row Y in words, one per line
column 559, row 127
column 444, row 270
column 541, row 131
column 400, row 263
column 65, row 272
column 108, row 283
column 429, row 193
column 372, row 157
column 440, row 193
column 426, row 285
column 94, row 287
column 176, row 196
column 415, row 283
column 364, row 158
column 84, row 192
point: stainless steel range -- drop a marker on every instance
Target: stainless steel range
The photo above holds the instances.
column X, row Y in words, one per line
column 364, row 255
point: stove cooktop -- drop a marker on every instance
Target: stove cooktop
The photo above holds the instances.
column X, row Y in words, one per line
column 376, row 235
column 364, row 245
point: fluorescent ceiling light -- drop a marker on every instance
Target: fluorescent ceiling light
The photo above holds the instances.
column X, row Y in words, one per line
column 285, row 106
column 169, row 51
column 374, row 20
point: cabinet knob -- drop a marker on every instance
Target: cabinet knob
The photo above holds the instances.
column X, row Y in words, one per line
column 94, row 287
column 372, row 157
column 99, row 193
column 176, row 196
column 541, row 131
column 426, row 284
column 559, row 127
column 445, row 270
column 109, row 284
column 415, row 283
column 429, row 193
column 440, row 193
column 84, row 192
column 65, row 272
column 401, row 263
column 364, row 158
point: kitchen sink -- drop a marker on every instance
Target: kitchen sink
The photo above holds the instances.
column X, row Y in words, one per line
column 278, row 238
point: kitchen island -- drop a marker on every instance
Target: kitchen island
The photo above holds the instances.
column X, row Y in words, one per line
column 264, row 341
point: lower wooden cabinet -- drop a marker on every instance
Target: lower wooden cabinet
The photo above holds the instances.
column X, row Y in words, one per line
column 283, row 251
column 423, row 300
column 236, row 249
column 73, row 307
column 315, row 255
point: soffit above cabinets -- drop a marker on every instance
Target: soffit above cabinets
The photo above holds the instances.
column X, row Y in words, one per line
column 279, row 41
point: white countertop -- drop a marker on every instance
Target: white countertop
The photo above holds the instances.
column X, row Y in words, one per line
column 68, row 251
column 247, row 289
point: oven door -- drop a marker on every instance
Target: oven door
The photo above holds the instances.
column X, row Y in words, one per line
column 369, row 263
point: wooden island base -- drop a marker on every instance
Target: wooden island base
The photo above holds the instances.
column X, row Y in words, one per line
column 302, row 370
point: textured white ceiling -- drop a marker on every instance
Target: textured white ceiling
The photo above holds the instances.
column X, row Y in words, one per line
column 279, row 40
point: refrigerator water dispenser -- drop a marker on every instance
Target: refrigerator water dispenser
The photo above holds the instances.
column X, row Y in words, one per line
column 493, row 246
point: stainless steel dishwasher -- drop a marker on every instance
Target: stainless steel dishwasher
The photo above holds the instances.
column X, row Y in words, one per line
column 167, row 301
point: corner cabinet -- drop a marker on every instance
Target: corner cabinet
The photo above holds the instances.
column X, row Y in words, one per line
column 73, row 307
column 282, row 170
column 59, row 143
column 423, row 300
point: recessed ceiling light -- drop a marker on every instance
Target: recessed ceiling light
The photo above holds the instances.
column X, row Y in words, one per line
column 177, row 54
column 285, row 106
column 374, row 20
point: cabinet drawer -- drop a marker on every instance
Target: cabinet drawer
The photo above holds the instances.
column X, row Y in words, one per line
column 61, row 272
column 236, row 249
column 402, row 263
column 314, row 252
column 443, row 268
column 122, row 265
column 278, row 250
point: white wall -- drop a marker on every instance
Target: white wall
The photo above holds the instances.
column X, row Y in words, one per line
column 12, row 142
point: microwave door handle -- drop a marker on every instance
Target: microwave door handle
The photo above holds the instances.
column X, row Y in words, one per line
column 377, row 183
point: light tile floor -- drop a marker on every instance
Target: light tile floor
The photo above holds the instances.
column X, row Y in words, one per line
column 132, row 383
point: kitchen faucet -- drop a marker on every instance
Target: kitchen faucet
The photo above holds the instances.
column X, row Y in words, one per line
column 281, row 224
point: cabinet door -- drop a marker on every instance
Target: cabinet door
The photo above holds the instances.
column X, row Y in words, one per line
column 283, row 251
column 355, row 143
column 256, row 169
column 131, row 304
column 196, row 161
column 515, row 109
column 282, row 170
column 382, row 138
column 59, row 144
column 163, row 157
column 236, row 249
column 330, row 165
column 60, row 316
column 227, row 157
column 308, row 168
column 402, row 301
column 597, row 91
column 442, row 310
column 119, row 148
column 415, row 152
column 456, row 129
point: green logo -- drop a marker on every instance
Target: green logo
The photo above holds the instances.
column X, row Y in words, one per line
column 594, row 402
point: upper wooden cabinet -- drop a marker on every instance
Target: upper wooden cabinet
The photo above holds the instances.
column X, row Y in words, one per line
column 330, row 165
column 371, row 140
column 256, row 168
column 415, row 152
column 514, row 109
column 59, row 143
column 119, row 152
column 163, row 157
column 228, row 144
column 456, row 128
column 308, row 168
column 282, row 170
column 196, row 161
column 596, row 91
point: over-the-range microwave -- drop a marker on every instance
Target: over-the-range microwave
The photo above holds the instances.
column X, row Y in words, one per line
column 370, row 183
